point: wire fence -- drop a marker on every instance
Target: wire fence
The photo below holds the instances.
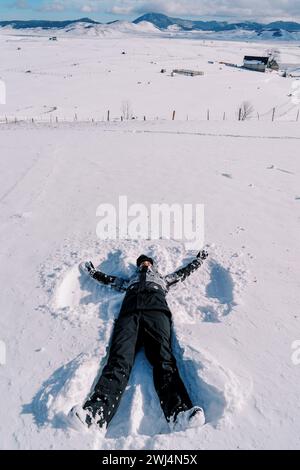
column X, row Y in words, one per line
column 273, row 115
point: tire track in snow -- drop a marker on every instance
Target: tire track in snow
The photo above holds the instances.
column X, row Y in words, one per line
column 207, row 134
column 98, row 125
column 20, row 178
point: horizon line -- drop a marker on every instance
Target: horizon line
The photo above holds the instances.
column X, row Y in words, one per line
column 118, row 19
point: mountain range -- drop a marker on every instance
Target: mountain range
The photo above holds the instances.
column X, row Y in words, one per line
column 163, row 22
column 44, row 24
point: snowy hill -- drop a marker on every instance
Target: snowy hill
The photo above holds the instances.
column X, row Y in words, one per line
column 43, row 24
column 82, row 28
column 163, row 22
column 154, row 23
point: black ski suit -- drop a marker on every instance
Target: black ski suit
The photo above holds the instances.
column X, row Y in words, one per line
column 144, row 320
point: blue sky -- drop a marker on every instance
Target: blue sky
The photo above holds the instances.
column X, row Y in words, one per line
column 104, row 10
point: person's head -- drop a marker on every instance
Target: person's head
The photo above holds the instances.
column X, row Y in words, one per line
column 144, row 261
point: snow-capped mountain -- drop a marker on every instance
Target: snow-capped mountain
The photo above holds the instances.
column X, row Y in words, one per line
column 31, row 24
column 279, row 30
column 163, row 22
column 83, row 27
column 155, row 23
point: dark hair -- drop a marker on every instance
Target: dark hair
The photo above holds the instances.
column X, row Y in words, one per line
column 143, row 258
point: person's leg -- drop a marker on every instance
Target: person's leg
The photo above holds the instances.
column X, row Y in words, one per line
column 108, row 391
column 171, row 391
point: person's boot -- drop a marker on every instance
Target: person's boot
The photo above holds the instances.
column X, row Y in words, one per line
column 184, row 418
column 93, row 412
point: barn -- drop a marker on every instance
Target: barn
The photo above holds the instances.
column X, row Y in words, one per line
column 259, row 64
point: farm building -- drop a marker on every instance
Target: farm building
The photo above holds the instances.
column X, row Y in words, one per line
column 260, row 64
column 190, row 73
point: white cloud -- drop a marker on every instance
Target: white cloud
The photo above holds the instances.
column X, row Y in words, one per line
column 53, row 6
column 84, row 6
column 90, row 7
column 122, row 10
column 261, row 10
column 20, row 4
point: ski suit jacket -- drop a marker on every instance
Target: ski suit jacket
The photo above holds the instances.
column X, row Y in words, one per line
column 146, row 290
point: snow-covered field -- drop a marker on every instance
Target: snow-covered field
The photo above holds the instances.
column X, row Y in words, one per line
column 235, row 320
column 85, row 77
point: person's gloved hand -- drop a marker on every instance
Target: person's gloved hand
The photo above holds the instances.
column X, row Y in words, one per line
column 202, row 254
column 90, row 267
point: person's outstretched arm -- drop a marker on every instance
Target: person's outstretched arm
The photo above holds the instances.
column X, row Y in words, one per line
column 183, row 273
column 114, row 281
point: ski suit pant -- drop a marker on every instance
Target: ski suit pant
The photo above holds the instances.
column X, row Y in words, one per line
column 151, row 329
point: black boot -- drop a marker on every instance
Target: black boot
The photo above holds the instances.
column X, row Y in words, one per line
column 96, row 408
column 178, row 409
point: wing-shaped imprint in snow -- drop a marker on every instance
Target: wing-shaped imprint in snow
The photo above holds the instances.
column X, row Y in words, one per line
column 208, row 295
column 213, row 291
column 67, row 386
column 220, row 290
column 211, row 385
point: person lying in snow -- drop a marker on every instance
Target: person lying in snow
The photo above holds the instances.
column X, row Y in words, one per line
column 144, row 320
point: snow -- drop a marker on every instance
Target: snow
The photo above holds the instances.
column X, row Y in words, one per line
column 234, row 320
column 115, row 30
column 120, row 29
column 69, row 78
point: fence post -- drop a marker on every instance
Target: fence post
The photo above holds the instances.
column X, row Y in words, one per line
column 144, row 118
column 298, row 115
column 174, row 114
column 240, row 114
column 108, row 115
column 208, row 115
column 224, row 117
column 273, row 114
column 258, row 116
